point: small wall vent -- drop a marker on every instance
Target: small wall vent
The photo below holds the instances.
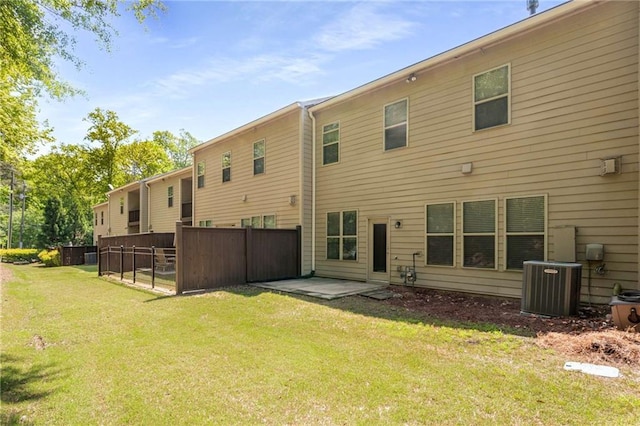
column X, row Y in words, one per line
column 551, row 288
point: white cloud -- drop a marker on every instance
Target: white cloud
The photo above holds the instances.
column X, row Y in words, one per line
column 362, row 27
column 263, row 68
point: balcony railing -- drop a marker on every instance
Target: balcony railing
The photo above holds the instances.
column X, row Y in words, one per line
column 134, row 217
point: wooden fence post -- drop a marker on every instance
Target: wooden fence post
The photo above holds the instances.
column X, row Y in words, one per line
column 248, row 247
column 299, row 250
column 180, row 266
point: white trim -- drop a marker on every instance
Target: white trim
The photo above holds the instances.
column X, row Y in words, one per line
column 506, row 233
column 332, row 143
column 474, row 103
column 385, row 127
column 341, row 236
column 472, row 234
column 453, row 234
column 223, row 168
column 254, row 158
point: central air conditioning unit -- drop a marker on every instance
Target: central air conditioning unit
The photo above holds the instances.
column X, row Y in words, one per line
column 551, row 288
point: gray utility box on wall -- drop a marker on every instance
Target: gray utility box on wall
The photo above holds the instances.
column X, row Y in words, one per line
column 551, row 288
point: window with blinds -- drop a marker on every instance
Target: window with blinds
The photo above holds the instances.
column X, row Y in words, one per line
column 440, row 227
column 526, row 226
column 479, row 234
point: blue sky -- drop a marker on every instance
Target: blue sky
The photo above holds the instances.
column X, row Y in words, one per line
column 211, row 66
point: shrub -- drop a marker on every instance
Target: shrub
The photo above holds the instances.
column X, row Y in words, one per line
column 50, row 257
column 18, row 255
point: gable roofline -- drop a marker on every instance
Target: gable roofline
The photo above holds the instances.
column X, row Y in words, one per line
column 499, row 36
column 104, row 203
column 172, row 173
column 272, row 116
column 131, row 185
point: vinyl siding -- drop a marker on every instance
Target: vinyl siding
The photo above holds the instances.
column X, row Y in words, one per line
column 101, row 228
column 163, row 218
column 306, row 186
column 574, row 98
column 118, row 222
column 267, row 193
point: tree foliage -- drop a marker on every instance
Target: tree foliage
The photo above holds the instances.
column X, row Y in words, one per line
column 52, row 232
column 31, row 38
column 177, row 147
column 108, row 133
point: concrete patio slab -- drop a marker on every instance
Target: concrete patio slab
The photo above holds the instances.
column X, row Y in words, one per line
column 323, row 288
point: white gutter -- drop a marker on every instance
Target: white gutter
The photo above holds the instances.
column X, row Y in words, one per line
column 301, row 193
column 146, row 183
column 108, row 214
column 313, row 190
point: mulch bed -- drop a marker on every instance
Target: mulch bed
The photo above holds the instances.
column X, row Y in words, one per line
column 589, row 337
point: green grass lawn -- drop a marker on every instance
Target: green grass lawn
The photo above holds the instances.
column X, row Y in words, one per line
column 115, row 355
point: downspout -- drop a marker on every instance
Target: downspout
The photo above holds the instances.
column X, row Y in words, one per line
column 148, row 204
column 313, row 191
column 194, row 182
column 109, row 214
column 301, row 182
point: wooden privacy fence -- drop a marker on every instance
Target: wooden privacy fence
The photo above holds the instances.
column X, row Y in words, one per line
column 204, row 258
column 74, row 255
column 208, row 258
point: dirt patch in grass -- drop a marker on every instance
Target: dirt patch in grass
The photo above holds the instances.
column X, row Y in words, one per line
column 589, row 337
column 5, row 274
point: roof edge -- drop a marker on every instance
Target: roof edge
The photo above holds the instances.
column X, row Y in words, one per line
column 495, row 37
column 264, row 119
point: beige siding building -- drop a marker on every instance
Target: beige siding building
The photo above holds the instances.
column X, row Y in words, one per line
column 128, row 209
column 258, row 175
column 100, row 221
column 170, row 200
column 521, row 145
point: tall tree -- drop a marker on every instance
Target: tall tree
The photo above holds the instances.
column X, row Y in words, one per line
column 109, row 133
column 52, row 232
column 177, row 147
column 33, row 34
column 141, row 159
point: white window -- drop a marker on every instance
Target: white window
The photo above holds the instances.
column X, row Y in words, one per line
column 479, row 234
column 395, row 124
column 101, row 218
column 440, row 229
column 205, row 223
column 200, row 173
column 269, row 221
column 491, row 103
column 121, row 205
column 330, row 143
column 342, row 235
column 170, row 196
column 96, row 218
column 258, row 157
column 526, row 227
column 265, row 221
column 226, row 167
